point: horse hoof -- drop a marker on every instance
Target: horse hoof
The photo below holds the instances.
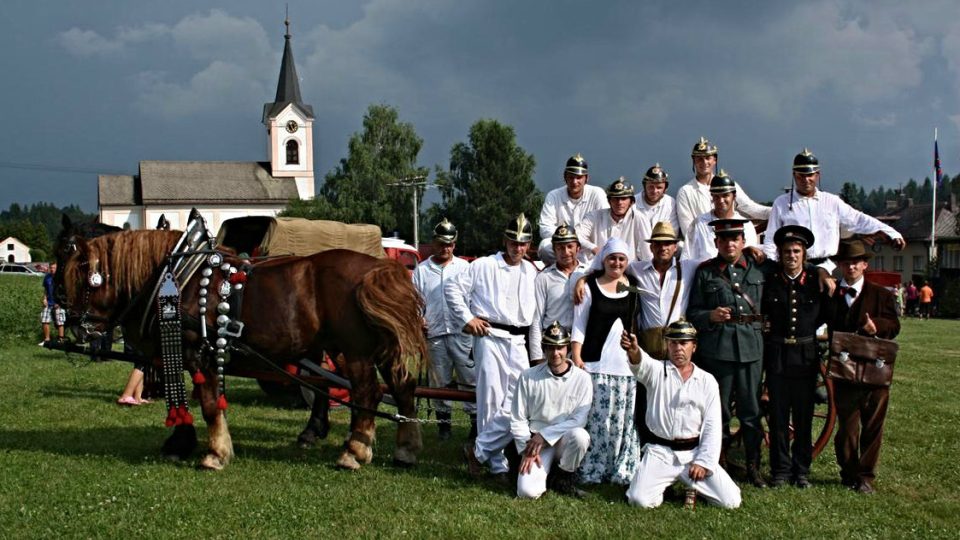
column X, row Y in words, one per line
column 348, row 462
column 211, row 462
column 404, row 458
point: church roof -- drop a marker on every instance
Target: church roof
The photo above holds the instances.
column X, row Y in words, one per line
column 288, row 86
column 197, row 182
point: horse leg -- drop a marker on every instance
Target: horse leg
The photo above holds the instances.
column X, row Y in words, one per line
column 219, row 444
column 409, row 441
column 365, row 392
column 318, row 425
column 182, row 442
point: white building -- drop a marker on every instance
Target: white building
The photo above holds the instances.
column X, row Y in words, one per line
column 222, row 190
column 14, row 250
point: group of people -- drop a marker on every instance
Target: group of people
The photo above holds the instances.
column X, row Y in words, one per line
column 620, row 361
column 913, row 301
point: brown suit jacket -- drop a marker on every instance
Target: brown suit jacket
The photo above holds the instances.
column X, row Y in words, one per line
column 873, row 299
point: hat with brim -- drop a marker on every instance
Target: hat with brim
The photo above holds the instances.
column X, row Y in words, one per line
column 728, row 226
column 722, row 183
column 620, row 189
column 445, row 232
column 576, row 165
column 519, row 229
column 656, row 174
column 851, row 250
column 806, row 163
column 555, row 335
column 663, row 232
column 680, row 330
column 564, row 234
column 703, row 147
column 793, row 233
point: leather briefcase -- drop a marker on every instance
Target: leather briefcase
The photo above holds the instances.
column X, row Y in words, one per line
column 652, row 341
column 862, row 360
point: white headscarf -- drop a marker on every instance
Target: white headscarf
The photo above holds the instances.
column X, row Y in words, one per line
column 613, row 245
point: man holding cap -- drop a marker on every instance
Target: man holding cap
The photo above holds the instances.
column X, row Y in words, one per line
column 793, row 307
column 568, row 204
column 449, row 347
column 821, row 212
column 684, row 442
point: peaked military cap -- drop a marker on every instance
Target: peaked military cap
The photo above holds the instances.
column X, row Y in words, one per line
column 722, row 226
column 806, row 163
column 793, row 233
column 445, row 232
column 620, row 189
column 655, row 174
column 722, row 183
column 576, row 165
column 703, row 148
column 663, row 232
column 680, row 330
column 564, row 234
column 555, row 336
column 519, row 229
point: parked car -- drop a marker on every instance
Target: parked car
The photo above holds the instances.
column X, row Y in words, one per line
column 18, row 269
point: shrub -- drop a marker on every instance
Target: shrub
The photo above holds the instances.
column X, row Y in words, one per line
column 20, row 304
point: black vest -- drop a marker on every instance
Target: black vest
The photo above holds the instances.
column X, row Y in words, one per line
column 603, row 312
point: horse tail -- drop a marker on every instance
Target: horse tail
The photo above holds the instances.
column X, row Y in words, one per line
column 388, row 299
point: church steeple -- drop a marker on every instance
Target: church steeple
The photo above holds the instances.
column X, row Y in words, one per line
column 288, row 85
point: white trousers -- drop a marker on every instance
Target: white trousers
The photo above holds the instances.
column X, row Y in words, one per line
column 571, row 448
column 660, row 468
column 499, row 362
column 451, row 353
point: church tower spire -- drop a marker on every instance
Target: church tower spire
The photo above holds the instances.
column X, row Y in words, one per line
column 289, row 123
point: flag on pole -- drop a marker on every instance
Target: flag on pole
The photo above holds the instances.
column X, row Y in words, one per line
column 936, row 164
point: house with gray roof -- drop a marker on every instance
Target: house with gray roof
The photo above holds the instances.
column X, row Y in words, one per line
column 914, row 223
column 223, row 190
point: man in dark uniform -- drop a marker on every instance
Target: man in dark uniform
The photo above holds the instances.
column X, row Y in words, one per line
column 793, row 308
column 725, row 308
column 867, row 309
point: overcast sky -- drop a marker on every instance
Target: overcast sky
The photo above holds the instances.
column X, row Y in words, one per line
column 98, row 86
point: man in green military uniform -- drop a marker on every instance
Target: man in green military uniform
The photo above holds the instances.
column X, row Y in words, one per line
column 724, row 306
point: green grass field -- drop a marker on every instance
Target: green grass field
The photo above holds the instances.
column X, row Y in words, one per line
column 73, row 464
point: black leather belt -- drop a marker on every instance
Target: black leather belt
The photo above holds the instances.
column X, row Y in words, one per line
column 513, row 330
column 792, row 340
column 745, row 319
column 673, row 444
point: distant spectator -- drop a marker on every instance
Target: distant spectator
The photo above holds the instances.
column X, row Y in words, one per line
column 926, row 300
column 52, row 312
column 898, row 297
column 912, row 296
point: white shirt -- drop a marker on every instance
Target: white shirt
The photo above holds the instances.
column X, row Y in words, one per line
column 700, row 245
column 553, row 291
column 429, row 278
column 824, row 214
column 598, row 227
column 858, row 286
column 613, row 359
column 548, row 404
column 664, row 210
column 495, row 291
column 655, row 298
column 678, row 409
column 693, row 199
column 559, row 208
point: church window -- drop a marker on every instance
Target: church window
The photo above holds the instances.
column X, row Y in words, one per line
column 293, row 153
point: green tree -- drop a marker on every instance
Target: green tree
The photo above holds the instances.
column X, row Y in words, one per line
column 358, row 190
column 850, row 195
column 489, row 181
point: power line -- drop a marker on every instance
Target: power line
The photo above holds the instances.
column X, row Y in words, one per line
column 53, row 168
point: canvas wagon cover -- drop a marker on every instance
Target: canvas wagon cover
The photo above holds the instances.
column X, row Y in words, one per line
column 297, row 236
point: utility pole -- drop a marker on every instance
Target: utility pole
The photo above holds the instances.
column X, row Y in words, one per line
column 416, row 182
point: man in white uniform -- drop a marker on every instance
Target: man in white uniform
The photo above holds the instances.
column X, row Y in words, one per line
column 547, row 418
column 655, row 205
column 568, row 204
column 449, row 347
column 552, row 288
column 821, row 212
column 622, row 220
column 683, row 418
column 494, row 302
column 693, row 199
column 700, row 244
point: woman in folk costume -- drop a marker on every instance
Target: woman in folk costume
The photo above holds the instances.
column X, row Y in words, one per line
column 597, row 325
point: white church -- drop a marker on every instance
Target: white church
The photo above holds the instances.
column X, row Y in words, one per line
column 222, row 190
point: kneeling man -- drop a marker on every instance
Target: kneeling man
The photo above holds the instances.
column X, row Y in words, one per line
column 683, row 418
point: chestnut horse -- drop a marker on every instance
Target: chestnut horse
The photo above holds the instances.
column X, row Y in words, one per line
column 338, row 301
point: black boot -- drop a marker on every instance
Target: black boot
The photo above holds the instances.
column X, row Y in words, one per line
column 565, row 483
column 753, row 475
column 473, row 427
column 443, row 425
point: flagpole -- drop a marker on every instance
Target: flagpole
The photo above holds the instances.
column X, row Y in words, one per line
column 933, row 207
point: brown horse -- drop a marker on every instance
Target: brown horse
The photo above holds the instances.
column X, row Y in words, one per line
column 337, row 301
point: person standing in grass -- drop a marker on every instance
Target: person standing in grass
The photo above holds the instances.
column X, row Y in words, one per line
column 52, row 312
column 925, row 295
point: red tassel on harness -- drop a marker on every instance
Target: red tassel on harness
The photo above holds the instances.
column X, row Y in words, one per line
column 222, row 402
column 184, row 416
column 171, row 417
column 238, row 277
column 198, row 378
